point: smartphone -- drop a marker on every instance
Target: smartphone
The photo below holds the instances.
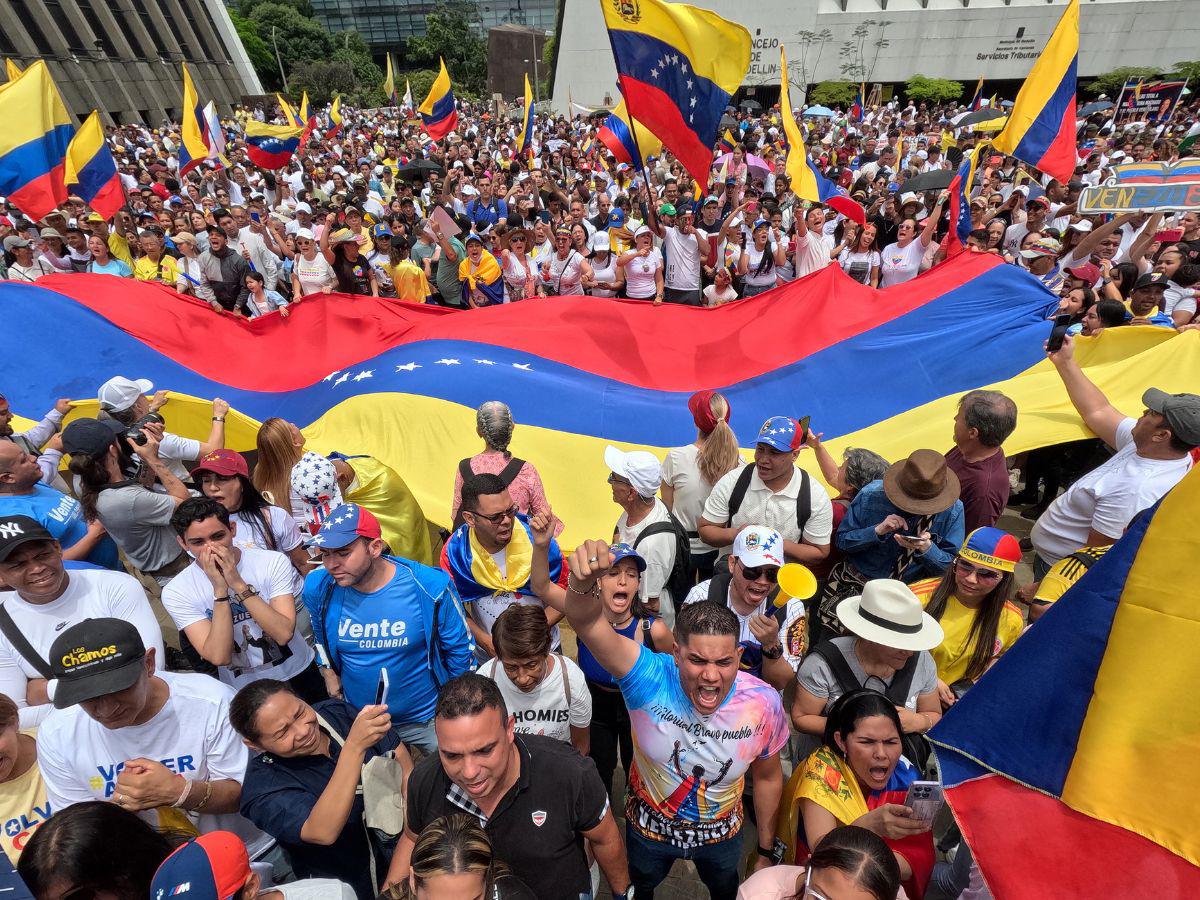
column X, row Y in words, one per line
column 255, row 217
column 924, row 798
column 804, row 429
column 1169, row 236
column 752, row 206
column 323, row 657
column 381, row 689
column 1059, row 333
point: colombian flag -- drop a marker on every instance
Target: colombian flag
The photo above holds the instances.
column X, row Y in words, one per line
column 1074, row 754
column 1041, row 124
column 271, row 146
column 678, row 66
column 439, row 115
column 807, row 182
column 617, row 135
column 526, row 135
column 372, row 367
column 727, row 143
column 33, row 142
column 960, row 202
column 194, row 146
column 91, row 170
column 977, row 99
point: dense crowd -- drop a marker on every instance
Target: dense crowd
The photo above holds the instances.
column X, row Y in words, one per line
column 271, row 677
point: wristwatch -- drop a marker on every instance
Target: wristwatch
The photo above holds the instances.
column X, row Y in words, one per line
column 250, row 591
column 218, row 418
column 627, row 894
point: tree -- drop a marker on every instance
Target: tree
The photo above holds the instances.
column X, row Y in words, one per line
column 1111, row 82
column 854, row 51
column 803, row 69
column 323, row 79
column 421, row 80
column 257, row 51
column 834, row 93
column 548, row 50
column 299, row 39
column 449, row 35
column 932, row 90
column 1189, row 70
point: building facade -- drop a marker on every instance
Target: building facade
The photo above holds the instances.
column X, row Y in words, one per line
column 385, row 24
column 895, row 39
column 515, row 51
column 123, row 57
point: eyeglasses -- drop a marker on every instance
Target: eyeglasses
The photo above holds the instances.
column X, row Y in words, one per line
column 771, row 573
column 617, row 479
column 965, row 568
column 809, row 892
column 497, row 518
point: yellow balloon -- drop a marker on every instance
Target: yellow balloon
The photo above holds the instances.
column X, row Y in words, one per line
column 796, row 581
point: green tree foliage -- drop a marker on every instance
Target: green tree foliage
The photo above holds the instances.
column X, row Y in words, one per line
column 932, row 90
column 257, row 50
column 1189, row 69
column 1111, row 82
column 547, row 71
column 299, row 39
column 833, row 93
column 449, row 35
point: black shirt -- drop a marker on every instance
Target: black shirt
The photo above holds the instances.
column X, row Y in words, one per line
column 537, row 827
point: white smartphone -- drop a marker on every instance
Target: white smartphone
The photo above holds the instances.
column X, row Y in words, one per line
column 381, row 689
column 924, row 798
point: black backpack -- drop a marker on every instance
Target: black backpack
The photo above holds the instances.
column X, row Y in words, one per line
column 508, row 474
column 803, row 498
column 678, row 582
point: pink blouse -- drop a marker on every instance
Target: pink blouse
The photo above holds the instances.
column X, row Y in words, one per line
column 526, row 489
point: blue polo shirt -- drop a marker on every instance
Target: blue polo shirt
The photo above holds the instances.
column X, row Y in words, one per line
column 279, row 793
column 62, row 516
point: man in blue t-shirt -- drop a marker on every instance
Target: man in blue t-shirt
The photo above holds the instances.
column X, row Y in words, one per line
column 371, row 612
column 22, row 493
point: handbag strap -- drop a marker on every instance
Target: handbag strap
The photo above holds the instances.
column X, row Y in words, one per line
column 21, row 644
column 562, row 668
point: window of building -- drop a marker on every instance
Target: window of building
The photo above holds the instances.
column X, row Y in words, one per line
column 132, row 33
column 65, row 26
column 93, row 19
column 25, row 15
column 212, row 23
column 205, row 44
column 148, row 23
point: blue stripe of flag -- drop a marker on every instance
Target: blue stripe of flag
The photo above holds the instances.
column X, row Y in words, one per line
column 442, row 108
column 1037, row 141
column 34, row 159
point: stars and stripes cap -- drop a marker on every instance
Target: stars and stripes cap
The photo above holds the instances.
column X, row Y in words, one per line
column 781, row 433
column 346, row 524
column 214, row 866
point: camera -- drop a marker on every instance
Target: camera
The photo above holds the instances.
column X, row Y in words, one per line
column 134, row 434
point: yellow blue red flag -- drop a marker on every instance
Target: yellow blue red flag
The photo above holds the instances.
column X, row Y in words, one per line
column 1087, row 778
column 389, row 81
column 288, row 112
column 194, row 146
column 271, row 146
column 439, row 112
column 526, row 119
column 617, row 134
column 335, row 117
column 12, row 70
column 91, row 170
column 960, row 201
column 977, row 97
column 677, row 67
column 1041, row 124
column 304, row 108
column 33, row 142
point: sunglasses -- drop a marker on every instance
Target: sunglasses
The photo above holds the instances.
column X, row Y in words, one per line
column 965, row 568
column 771, row 573
column 809, row 892
column 497, row 518
column 617, row 479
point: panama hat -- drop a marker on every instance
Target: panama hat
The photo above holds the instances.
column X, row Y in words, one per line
column 889, row 613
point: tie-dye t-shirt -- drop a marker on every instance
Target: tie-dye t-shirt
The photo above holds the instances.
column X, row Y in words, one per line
column 685, row 786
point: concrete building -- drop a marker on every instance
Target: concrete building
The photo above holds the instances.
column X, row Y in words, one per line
column 384, row 24
column 957, row 39
column 122, row 56
column 515, row 51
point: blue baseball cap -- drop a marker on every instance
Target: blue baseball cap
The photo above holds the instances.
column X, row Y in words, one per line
column 214, row 866
column 624, row 551
column 344, row 525
column 781, row 433
column 616, row 218
column 380, row 230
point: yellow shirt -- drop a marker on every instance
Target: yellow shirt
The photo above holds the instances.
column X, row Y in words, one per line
column 1064, row 573
column 165, row 270
column 23, row 807
column 118, row 248
column 953, row 655
column 410, row 281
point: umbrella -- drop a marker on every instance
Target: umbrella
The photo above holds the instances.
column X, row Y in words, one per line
column 418, row 169
column 937, row 180
column 755, row 164
column 823, row 112
column 1007, row 104
column 750, row 104
column 1095, row 107
column 728, row 122
column 962, row 120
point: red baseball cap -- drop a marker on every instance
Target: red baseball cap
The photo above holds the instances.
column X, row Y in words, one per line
column 223, row 462
column 1088, row 272
column 214, row 866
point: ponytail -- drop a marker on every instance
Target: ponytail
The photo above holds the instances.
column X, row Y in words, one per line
column 719, row 452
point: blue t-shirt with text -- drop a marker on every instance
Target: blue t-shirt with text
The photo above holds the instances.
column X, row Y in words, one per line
column 62, row 516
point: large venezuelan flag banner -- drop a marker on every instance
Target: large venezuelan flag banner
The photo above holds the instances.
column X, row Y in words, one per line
column 1069, row 765
column 878, row 369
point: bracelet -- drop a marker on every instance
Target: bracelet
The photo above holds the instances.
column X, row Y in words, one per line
column 207, row 796
column 187, row 789
column 594, row 592
column 218, row 418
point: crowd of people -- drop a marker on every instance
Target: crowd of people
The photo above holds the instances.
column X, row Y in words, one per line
column 271, row 677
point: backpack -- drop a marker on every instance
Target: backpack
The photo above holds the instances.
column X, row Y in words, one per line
column 679, row 581
column 508, row 475
column 803, row 498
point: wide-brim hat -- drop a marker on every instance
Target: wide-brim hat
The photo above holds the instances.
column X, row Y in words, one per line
column 890, row 614
column 921, row 485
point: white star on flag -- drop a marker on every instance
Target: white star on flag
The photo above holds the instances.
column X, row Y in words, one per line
column 345, row 377
column 485, row 362
column 524, row 367
column 329, row 377
column 408, row 367
column 367, row 373
column 447, row 362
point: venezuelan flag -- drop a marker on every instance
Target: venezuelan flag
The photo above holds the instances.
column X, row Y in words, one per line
column 271, row 146
column 1074, row 754
column 439, row 114
column 526, row 136
column 33, row 142
column 372, row 367
column 859, row 105
column 617, row 134
column 1041, row 124
column 727, row 143
column 288, row 112
column 960, row 201
column 389, row 82
column 977, row 98
column 91, row 170
column 678, row 66
column 335, row 117
column 807, row 182
column 194, row 146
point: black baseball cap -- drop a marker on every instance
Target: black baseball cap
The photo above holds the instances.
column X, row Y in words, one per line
column 91, row 437
column 94, row 658
column 18, row 530
column 1152, row 279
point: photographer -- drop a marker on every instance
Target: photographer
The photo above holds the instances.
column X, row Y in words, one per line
column 125, row 401
column 137, row 518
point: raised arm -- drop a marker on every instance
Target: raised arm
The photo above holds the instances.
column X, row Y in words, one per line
column 1089, row 401
column 585, row 610
column 541, row 524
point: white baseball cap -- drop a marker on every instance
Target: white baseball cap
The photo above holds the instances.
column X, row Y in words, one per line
column 600, row 241
column 119, row 393
column 757, row 545
column 639, row 467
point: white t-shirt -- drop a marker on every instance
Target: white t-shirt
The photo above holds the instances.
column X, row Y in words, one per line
column 545, row 709
column 682, row 473
column 713, row 297
column 315, row 889
column 683, row 258
column 812, row 253
column 900, row 264
column 1105, row 499
column 1013, row 235
column 189, row 599
column 191, row 735
column 313, row 274
column 859, row 265
column 90, row 594
column 639, row 275
column 283, row 530
column 762, row 506
column 173, row 450
column 791, row 631
column 658, row 551
column 487, row 609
